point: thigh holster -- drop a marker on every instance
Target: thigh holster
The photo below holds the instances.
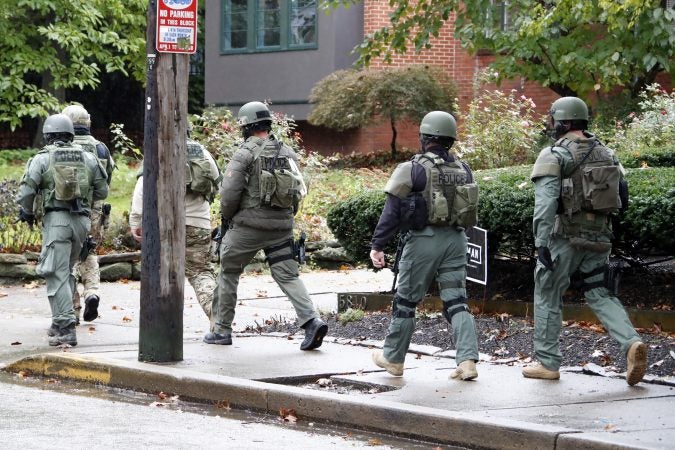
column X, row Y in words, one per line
column 271, row 260
column 397, row 312
column 588, row 285
column 452, row 307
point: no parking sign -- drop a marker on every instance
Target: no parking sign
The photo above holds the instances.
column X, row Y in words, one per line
column 176, row 26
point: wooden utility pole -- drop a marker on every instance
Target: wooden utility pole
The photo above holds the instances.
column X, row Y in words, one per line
column 163, row 242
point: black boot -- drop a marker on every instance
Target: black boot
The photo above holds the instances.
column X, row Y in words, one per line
column 65, row 335
column 53, row 330
column 315, row 330
column 90, row 308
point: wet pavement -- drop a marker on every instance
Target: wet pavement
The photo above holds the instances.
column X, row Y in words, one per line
column 500, row 409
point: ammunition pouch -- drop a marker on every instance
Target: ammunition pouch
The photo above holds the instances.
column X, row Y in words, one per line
column 592, row 246
column 413, row 212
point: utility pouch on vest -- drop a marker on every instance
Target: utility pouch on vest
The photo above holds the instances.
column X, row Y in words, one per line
column 465, row 206
column 413, row 212
column 280, row 181
column 601, row 188
column 67, row 183
column 439, row 211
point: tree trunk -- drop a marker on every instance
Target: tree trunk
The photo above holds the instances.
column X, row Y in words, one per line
column 393, row 137
column 163, row 251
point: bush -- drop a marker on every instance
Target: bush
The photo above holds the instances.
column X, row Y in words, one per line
column 506, row 208
column 499, row 130
column 15, row 237
column 646, row 138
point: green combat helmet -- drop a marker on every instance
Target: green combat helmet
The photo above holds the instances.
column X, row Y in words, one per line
column 439, row 123
column 58, row 123
column 78, row 115
column 253, row 112
column 569, row 108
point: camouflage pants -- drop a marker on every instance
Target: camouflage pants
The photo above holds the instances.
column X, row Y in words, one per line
column 88, row 270
column 198, row 267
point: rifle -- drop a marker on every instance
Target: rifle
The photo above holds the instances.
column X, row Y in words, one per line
column 299, row 248
column 105, row 215
column 87, row 246
column 402, row 239
column 218, row 234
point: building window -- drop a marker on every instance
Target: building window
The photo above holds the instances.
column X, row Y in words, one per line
column 268, row 25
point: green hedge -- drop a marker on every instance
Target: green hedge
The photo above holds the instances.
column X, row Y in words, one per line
column 505, row 210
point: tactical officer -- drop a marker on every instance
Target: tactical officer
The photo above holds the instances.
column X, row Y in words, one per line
column 69, row 180
column 578, row 185
column 202, row 183
column 431, row 199
column 261, row 191
column 100, row 214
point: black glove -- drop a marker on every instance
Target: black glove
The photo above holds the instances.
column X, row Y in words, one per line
column 544, row 256
column 24, row 216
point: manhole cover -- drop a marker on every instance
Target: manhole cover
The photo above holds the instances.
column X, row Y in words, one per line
column 332, row 383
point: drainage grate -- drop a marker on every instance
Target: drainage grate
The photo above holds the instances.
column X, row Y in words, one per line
column 332, row 383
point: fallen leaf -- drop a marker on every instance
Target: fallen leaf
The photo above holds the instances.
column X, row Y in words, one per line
column 344, row 267
column 289, row 337
column 503, row 317
column 31, row 285
column 126, row 319
column 223, row 404
column 158, row 404
column 124, row 281
column 163, row 395
column 114, row 307
column 374, row 442
column 288, row 415
column 23, row 373
column 418, row 356
column 260, row 293
column 92, row 329
column 51, row 381
column 16, row 343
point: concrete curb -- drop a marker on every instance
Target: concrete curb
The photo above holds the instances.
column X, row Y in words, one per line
column 464, row 429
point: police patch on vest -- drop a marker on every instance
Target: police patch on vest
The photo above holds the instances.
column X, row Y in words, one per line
column 61, row 156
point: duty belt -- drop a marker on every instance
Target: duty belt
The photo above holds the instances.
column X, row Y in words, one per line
column 82, row 213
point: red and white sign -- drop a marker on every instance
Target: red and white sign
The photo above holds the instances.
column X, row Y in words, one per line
column 176, row 26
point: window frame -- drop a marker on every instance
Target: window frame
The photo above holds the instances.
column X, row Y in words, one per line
column 252, row 22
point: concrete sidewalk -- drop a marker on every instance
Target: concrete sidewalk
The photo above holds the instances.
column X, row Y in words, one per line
column 500, row 409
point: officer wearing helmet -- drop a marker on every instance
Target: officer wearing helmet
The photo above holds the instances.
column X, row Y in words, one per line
column 260, row 194
column 431, row 200
column 578, row 187
column 68, row 180
column 88, row 269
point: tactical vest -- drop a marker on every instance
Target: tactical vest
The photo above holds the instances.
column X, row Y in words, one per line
column 67, row 178
column 88, row 143
column 451, row 200
column 198, row 176
column 592, row 183
column 275, row 181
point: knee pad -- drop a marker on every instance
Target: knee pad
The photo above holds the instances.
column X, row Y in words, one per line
column 447, row 306
column 396, row 312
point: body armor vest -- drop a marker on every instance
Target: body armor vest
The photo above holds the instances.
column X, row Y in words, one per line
column 88, row 143
column 451, row 200
column 275, row 180
column 592, row 184
column 67, row 180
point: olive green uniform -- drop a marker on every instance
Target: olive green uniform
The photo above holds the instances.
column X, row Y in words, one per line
column 437, row 251
column 88, row 270
column 254, row 227
column 65, row 226
column 579, row 240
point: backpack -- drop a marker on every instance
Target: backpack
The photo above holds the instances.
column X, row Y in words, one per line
column 198, row 176
column 68, row 172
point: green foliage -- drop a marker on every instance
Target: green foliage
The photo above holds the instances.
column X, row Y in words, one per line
column 356, row 98
column 499, row 130
column 15, row 237
column 51, row 45
column 350, row 315
column 353, row 221
column 217, row 130
column 506, row 207
column 121, row 143
column 574, row 47
column 647, row 138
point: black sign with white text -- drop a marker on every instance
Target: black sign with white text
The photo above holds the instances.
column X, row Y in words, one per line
column 476, row 269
